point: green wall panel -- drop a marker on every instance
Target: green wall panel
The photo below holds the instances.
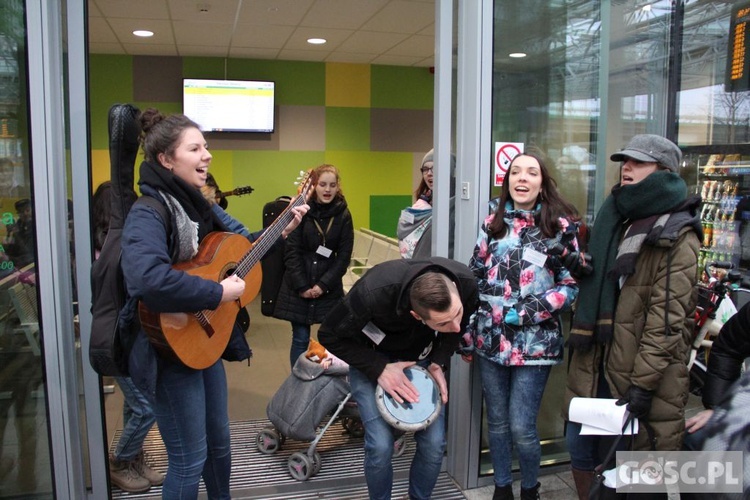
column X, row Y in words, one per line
column 298, row 83
column 348, row 129
column 111, row 82
column 384, row 212
column 271, row 174
column 203, row 67
column 402, row 87
column 365, row 173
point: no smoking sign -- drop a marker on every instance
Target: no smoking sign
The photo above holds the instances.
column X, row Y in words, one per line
column 504, row 154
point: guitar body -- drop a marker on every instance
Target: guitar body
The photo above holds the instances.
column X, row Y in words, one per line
column 199, row 339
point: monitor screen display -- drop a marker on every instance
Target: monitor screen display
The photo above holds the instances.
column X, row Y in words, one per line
column 229, row 105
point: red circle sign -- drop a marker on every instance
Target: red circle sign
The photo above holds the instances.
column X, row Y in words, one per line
column 504, row 156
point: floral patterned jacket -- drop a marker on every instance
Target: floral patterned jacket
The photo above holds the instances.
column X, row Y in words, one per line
column 514, row 272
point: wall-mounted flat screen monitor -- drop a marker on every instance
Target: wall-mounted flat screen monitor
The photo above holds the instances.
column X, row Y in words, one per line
column 229, row 105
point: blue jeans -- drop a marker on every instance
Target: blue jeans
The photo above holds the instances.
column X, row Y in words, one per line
column 512, row 397
column 191, row 410
column 588, row 451
column 137, row 420
column 300, row 340
column 425, row 465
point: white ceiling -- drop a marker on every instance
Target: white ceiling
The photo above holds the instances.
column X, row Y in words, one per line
column 392, row 32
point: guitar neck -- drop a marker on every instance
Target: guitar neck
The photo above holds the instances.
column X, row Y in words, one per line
column 268, row 238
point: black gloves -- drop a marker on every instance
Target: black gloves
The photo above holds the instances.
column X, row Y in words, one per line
column 578, row 263
column 638, row 401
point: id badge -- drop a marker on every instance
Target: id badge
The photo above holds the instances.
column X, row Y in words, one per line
column 535, row 257
column 325, row 252
column 373, row 332
column 407, row 216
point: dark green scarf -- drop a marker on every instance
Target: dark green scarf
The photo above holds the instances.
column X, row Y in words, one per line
column 659, row 193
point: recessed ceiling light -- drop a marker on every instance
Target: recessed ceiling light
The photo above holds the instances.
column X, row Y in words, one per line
column 316, row 41
column 517, row 55
column 143, row 33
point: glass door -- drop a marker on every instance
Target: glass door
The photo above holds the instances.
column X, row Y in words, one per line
column 25, row 465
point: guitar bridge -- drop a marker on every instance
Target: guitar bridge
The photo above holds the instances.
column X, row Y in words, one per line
column 205, row 324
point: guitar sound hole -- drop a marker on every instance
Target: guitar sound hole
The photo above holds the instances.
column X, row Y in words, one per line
column 227, row 271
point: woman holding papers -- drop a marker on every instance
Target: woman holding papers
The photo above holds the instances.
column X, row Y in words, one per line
column 515, row 333
column 633, row 324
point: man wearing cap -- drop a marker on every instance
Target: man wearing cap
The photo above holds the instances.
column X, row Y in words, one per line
column 401, row 313
column 633, row 325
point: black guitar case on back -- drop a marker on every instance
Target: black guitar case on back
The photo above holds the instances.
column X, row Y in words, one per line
column 273, row 263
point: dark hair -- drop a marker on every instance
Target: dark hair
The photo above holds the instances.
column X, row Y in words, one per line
column 211, row 185
column 429, row 292
column 22, row 204
column 553, row 205
column 161, row 133
column 101, row 207
column 322, row 169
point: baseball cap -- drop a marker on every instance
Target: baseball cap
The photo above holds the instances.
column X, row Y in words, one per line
column 651, row 148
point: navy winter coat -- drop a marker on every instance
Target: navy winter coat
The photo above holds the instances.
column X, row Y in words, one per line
column 149, row 277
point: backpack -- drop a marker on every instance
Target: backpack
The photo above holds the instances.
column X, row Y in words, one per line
column 272, row 264
column 111, row 341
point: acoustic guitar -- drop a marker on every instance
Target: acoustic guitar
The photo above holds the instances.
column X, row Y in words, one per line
column 198, row 339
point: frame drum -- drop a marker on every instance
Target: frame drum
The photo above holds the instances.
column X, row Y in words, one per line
column 412, row 416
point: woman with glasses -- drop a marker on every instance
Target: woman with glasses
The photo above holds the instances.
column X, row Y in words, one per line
column 416, row 220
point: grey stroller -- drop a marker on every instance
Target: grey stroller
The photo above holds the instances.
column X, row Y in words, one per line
column 299, row 406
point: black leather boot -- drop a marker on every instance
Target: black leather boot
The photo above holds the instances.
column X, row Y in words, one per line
column 503, row 492
column 531, row 493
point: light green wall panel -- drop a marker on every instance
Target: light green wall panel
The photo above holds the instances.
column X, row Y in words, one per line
column 110, row 82
column 402, row 87
column 348, row 129
column 271, row 174
column 365, row 173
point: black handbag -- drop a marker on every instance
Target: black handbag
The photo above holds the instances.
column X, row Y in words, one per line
column 599, row 490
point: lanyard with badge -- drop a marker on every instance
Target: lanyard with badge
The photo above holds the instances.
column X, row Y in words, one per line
column 322, row 249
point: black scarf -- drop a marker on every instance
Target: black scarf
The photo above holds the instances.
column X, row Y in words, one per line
column 662, row 192
column 189, row 197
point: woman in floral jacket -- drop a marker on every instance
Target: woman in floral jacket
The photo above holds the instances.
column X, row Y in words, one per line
column 516, row 332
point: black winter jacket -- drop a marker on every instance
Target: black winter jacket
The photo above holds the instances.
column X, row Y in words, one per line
column 325, row 225
column 728, row 352
column 381, row 297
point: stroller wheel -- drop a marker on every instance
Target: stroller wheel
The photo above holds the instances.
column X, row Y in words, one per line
column 269, row 441
column 300, row 466
column 399, row 446
column 316, row 463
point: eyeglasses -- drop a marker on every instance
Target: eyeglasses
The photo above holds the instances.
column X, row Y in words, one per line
column 424, row 170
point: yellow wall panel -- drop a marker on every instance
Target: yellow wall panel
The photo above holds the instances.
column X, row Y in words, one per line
column 348, row 85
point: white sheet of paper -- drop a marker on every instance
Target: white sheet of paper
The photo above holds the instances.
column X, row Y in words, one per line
column 600, row 417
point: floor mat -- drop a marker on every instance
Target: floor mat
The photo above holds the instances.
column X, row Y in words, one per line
column 256, row 475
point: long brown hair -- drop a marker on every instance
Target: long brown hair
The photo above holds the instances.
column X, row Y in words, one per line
column 553, row 205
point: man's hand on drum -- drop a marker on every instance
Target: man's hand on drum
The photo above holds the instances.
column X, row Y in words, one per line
column 394, row 381
column 437, row 373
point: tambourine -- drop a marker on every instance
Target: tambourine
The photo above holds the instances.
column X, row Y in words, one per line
column 412, row 416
